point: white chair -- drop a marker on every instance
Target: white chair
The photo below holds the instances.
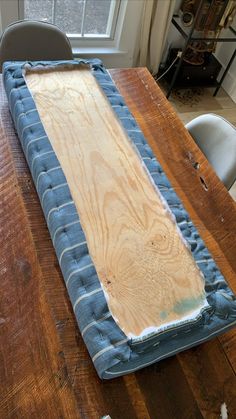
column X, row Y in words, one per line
column 34, row 40
column 216, row 137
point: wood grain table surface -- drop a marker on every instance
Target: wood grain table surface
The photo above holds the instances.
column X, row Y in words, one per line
column 45, row 370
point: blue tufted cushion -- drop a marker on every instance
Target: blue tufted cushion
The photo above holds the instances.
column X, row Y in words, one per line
column 112, row 352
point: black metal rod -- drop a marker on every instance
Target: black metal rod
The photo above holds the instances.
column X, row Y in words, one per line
column 183, row 51
column 178, row 27
column 225, row 72
column 214, row 39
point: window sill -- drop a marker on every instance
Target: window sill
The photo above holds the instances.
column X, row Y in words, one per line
column 96, row 51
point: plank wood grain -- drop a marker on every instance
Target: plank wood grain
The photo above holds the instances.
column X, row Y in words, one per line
column 148, row 273
column 212, row 210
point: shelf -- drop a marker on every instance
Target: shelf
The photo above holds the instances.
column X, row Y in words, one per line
column 190, row 34
column 176, row 20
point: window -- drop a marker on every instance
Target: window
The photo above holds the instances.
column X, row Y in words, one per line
column 78, row 18
column 106, row 29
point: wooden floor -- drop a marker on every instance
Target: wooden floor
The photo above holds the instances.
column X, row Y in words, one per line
column 191, row 103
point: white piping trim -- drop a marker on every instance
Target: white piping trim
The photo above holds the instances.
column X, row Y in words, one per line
column 108, row 348
column 40, row 155
column 62, row 227
column 106, row 316
column 53, row 189
column 170, row 353
column 32, row 141
column 76, row 271
column 67, row 249
column 28, row 126
column 204, row 260
column 19, row 100
column 45, row 173
column 88, row 294
column 15, row 88
column 127, row 117
column 165, row 188
column 58, row 209
column 107, row 83
column 24, row 113
column 215, row 283
column 184, row 222
column 148, row 158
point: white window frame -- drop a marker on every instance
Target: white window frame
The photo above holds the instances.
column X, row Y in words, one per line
column 83, row 37
column 116, row 51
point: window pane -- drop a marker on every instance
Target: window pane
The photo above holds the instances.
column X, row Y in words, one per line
column 96, row 16
column 38, row 10
column 68, row 14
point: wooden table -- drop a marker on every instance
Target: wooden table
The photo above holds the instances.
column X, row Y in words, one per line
column 45, row 369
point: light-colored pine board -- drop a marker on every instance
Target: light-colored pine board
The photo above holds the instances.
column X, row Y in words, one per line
column 149, row 275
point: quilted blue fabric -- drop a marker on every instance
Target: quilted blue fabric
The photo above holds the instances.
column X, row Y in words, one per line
column 113, row 354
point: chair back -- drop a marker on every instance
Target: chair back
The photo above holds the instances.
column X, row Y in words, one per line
column 34, row 41
column 216, row 137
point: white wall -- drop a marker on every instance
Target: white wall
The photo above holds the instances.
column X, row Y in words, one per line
column 174, row 38
column 9, row 12
column 223, row 53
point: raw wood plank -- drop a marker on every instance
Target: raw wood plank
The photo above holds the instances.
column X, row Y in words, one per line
column 213, row 210
column 149, row 275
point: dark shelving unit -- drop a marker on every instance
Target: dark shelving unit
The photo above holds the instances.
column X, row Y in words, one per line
column 189, row 37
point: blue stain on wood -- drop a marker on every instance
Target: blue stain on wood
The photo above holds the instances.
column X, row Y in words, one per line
column 163, row 315
column 188, row 304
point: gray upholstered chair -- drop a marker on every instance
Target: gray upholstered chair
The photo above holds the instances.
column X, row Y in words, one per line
column 34, row 40
column 216, row 137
